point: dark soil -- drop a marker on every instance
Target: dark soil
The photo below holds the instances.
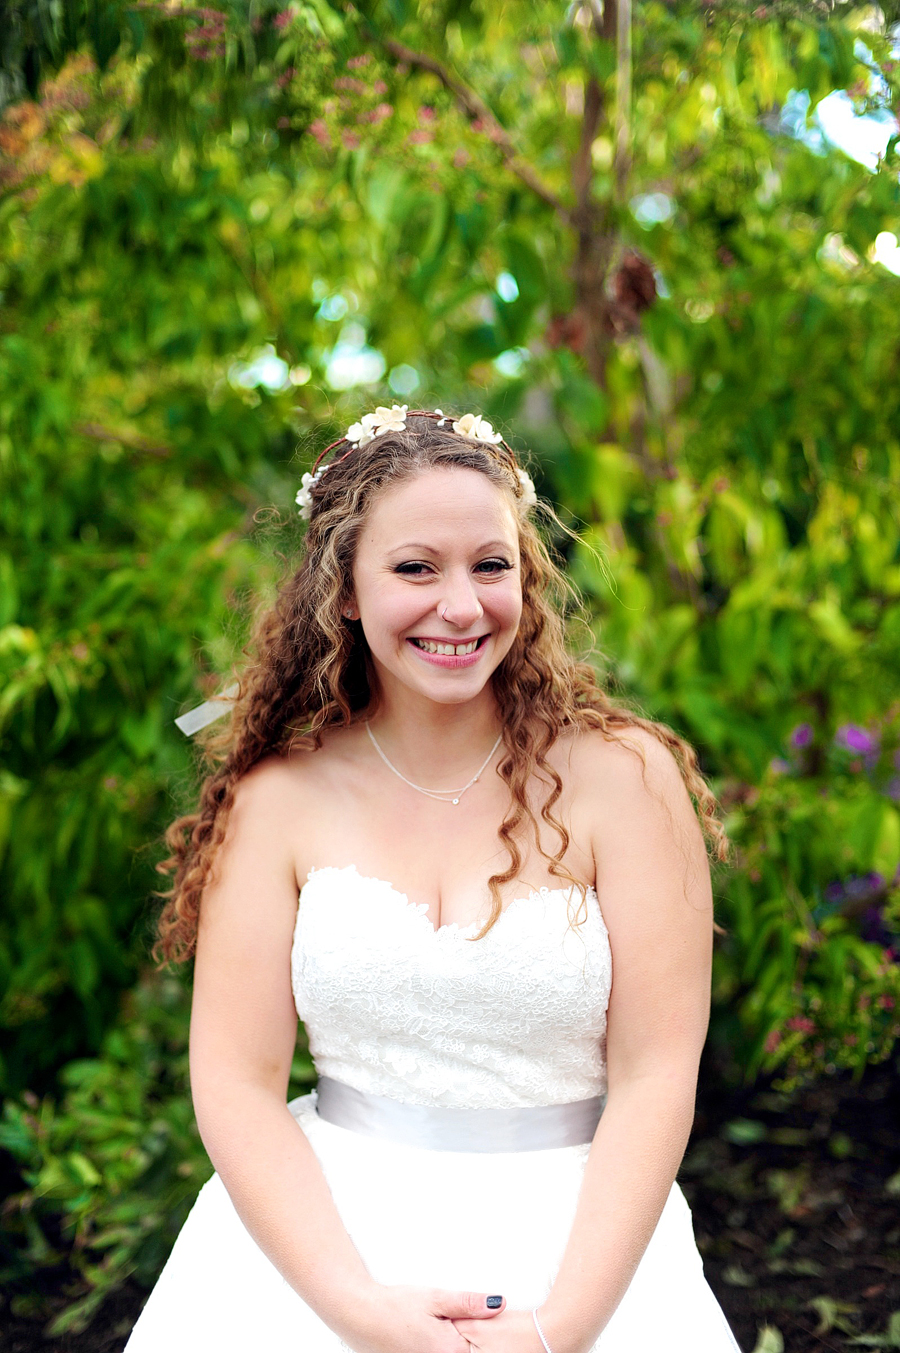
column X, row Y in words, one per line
column 795, row 1208
column 796, row 1212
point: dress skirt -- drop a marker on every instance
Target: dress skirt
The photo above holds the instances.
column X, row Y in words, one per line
column 495, row 1222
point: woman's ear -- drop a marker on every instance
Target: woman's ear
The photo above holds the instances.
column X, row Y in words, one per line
column 349, row 611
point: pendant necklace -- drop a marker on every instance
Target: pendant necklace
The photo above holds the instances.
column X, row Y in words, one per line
column 442, row 795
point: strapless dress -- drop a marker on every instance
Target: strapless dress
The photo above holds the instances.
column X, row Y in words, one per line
column 403, row 1014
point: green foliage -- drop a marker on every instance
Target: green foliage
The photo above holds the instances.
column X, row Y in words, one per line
column 112, row 1165
column 131, row 470
column 890, row 1338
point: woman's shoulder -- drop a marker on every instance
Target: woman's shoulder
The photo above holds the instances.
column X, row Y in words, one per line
column 281, row 778
column 625, row 769
column 265, row 780
column 264, row 798
column 632, row 803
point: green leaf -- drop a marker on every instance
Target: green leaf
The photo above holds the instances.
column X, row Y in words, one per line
column 770, row 1340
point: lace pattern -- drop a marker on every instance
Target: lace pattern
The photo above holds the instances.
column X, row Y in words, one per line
column 395, row 1007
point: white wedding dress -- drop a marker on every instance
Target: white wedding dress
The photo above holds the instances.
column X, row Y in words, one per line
column 398, row 1009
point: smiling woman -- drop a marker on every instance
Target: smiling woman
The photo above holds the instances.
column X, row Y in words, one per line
column 489, row 1159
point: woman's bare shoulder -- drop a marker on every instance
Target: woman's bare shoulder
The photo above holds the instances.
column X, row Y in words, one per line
column 629, row 758
column 285, row 782
column 628, row 777
column 266, row 783
column 634, row 807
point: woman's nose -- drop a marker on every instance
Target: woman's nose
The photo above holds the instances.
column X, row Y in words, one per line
column 460, row 606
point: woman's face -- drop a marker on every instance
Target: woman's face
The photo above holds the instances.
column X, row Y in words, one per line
column 437, row 583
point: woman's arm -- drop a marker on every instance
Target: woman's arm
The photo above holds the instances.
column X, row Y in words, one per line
column 654, row 890
column 243, row 1033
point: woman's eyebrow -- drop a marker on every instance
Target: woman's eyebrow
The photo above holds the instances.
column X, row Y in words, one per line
column 488, row 548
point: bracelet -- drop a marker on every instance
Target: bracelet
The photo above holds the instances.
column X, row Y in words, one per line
column 537, row 1326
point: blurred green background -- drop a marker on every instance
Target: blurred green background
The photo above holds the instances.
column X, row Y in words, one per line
column 224, row 234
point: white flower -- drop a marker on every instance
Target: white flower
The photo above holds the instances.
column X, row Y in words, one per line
column 472, row 425
column 389, row 420
column 373, row 424
column 529, row 493
column 304, row 497
column 361, row 433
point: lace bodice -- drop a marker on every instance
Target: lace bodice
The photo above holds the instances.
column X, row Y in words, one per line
column 396, row 1008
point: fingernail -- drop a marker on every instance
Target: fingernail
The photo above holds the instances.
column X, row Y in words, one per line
column 494, row 1302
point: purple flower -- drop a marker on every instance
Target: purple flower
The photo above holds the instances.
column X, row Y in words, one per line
column 864, row 886
column 801, row 736
column 856, row 888
column 873, row 928
column 778, row 766
column 853, row 738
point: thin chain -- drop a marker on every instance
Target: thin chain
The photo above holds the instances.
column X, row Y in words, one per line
column 442, row 795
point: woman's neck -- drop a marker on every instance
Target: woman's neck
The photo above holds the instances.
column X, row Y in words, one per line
column 435, row 740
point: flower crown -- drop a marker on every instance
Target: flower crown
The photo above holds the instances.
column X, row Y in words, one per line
column 372, row 425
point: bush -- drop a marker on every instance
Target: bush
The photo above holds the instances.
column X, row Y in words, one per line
column 111, row 1166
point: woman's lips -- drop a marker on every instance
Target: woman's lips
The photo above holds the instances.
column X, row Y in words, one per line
column 450, row 659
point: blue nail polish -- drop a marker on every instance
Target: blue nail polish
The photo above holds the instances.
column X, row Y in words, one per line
column 493, row 1303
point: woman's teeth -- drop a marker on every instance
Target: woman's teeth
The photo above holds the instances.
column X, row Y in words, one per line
column 448, row 650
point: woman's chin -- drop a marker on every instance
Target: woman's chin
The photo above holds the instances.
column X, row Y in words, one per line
column 442, row 685
column 444, row 692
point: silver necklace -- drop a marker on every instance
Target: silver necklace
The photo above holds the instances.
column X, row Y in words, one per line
column 442, row 795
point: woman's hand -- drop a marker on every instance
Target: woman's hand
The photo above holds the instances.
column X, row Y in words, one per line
column 512, row 1332
column 515, row 1332
column 417, row 1320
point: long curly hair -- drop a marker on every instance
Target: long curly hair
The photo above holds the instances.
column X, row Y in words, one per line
column 309, row 671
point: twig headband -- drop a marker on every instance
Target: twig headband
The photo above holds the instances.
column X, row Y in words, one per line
column 372, row 425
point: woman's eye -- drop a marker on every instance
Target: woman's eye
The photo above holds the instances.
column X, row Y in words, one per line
column 413, row 569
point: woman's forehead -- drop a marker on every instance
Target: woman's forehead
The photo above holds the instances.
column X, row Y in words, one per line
column 439, row 503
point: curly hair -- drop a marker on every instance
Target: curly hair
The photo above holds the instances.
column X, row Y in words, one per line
column 310, row 671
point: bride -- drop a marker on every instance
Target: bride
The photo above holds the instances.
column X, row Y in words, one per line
column 505, row 983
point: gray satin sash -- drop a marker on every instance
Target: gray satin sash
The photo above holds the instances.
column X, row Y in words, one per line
column 535, row 1128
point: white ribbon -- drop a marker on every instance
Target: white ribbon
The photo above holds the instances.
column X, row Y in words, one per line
column 208, row 712
column 436, row 1127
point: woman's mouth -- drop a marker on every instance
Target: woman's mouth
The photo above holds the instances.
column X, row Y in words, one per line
column 449, row 655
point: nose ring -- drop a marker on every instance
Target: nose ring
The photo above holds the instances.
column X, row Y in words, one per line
column 443, row 615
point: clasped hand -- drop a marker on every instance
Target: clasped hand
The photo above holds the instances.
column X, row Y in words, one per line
column 509, row 1332
column 431, row 1320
